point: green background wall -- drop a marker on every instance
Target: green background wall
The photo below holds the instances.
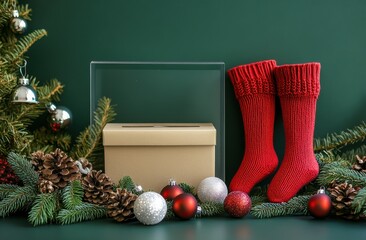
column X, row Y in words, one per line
column 233, row 31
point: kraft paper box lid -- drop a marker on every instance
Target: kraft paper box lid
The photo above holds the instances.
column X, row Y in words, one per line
column 152, row 134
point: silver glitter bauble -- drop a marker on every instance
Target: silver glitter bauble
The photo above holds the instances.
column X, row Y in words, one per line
column 212, row 189
column 17, row 24
column 150, row 208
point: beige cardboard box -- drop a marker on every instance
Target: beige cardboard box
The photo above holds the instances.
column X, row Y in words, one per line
column 151, row 154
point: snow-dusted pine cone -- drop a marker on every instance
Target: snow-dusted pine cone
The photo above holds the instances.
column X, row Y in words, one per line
column 97, row 187
column 120, row 205
column 59, row 168
column 360, row 164
column 46, row 186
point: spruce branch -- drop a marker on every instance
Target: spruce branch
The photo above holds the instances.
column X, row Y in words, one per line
column 23, row 169
column 127, row 183
column 16, row 200
column 47, row 141
column 83, row 212
column 258, row 199
column 23, row 45
column 89, row 143
column 72, row 195
column 50, row 91
column 336, row 172
column 210, row 209
column 169, row 213
column 296, row 206
column 6, row 189
column 350, row 154
column 44, row 209
column 359, row 203
column 344, row 138
column 187, row 188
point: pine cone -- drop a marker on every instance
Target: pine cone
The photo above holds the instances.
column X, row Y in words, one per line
column 37, row 159
column 120, row 205
column 342, row 196
column 46, row 186
column 360, row 164
column 98, row 187
column 59, row 168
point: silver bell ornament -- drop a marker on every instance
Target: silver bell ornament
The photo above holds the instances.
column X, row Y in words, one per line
column 17, row 24
column 60, row 117
column 24, row 93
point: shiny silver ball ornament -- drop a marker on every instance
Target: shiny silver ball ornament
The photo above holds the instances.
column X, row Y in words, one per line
column 24, row 93
column 212, row 189
column 60, row 117
column 17, row 24
column 150, row 208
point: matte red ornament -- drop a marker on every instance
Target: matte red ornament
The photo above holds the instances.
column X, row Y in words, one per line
column 171, row 191
column 320, row 204
column 185, row 206
column 237, row 204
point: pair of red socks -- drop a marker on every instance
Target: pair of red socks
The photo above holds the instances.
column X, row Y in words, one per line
column 298, row 87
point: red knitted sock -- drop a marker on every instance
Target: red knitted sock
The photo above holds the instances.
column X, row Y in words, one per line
column 254, row 88
column 298, row 87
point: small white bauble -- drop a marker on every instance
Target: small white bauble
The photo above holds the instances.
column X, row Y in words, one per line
column 212, row 189
column 150, row 208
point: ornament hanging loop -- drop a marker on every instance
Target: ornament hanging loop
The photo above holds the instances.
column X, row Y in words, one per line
column 321, row 190
column 23, row 67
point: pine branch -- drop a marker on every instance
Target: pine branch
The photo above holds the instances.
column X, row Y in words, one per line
column 83, row 212
column 51, row 91
column 72, row 195
column 210, row 209
column 256, row 200
column 359, row 203
column 127, row 183
column 6, row 189
column 23, row 169
column 89, row 143
column 187, row 188
column 350, row 154
column 48, row 141
column 336, row 172
column 44, row 209
column 344, row 138
column 16, row 200
column 169, row 213
column 23, row 45
column 296, row 206
column 14, row 136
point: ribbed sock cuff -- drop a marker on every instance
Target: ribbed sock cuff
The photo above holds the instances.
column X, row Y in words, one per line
column 298, row 79
column 254, row 78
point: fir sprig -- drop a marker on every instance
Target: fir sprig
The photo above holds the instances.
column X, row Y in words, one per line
column 6, row 189
column 296, row 206
column 344, row 138
column 359, row 203
column 211, row 209
column 44, row 209
column 126, row 183
column 16, row 200
column 72, row 195
column 187, row 188
column 83, row 212
column 23, row 169
column 89, row 144
column 337, row 172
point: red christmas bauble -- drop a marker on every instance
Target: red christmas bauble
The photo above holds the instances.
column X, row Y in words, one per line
column 171, row 191
column 237, row 204
column 185, row 206
column 319, row 205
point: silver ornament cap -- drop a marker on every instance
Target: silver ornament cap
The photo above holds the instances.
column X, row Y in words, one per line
column 150, row 208
column 24, row 93
column 212, row 189
column 17, row 24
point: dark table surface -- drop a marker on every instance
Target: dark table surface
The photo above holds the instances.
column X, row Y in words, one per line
column 17, row 227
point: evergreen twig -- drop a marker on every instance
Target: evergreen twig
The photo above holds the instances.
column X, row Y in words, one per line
column 23, row 169
column 336, row 172
column 88, row 143
column 83, row 212
column 296, row 206
column 16, row 200
column 336, row 141
column 126, row 183
column 44, row 209
column 210, row 209
column 6, row 189
column 350, row 154
column 359, row 203
column 72, row 195
column 187, row 188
